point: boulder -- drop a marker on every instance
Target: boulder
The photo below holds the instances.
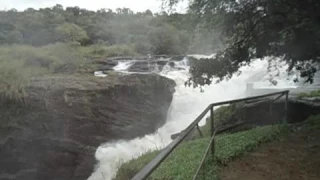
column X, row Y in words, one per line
column 53, row 133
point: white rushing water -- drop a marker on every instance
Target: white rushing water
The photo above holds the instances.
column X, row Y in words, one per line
column 187, row 104
column 123, row 66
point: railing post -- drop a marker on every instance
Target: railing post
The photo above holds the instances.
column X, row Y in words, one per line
column 211, row 121
column 212, row 128
column 200, row 133
column 270, row 108
column 286, row 107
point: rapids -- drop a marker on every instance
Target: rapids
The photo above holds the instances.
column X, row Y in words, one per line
column 187, row 104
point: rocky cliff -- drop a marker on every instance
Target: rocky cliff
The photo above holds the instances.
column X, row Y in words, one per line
column 54, row 132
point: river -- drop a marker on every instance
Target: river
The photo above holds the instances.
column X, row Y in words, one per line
column 187, row 104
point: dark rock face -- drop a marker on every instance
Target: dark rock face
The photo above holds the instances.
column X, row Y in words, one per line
column 105, row 65
column 53, row 135
column 147, row 66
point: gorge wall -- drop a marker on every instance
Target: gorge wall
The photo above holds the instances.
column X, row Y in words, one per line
column 53, row 133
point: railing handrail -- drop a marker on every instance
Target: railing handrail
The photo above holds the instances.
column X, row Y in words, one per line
column 249, row 98
column 153, row 164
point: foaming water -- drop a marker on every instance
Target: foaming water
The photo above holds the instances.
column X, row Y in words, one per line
column 187, row 104
column 123, row 65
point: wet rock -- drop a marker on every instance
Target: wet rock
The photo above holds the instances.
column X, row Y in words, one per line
column 105, row 65
column 141, row 66
column 53, row 133
column 171, row 64
column 147, row 66
column 177, row 58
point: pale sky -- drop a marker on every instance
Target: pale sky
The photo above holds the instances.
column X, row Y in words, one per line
column 135, row 5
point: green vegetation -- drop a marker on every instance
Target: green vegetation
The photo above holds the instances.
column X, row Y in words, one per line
column 224, row 113
column 96, row 51
column 221, row 116
column 20, row 63
column 147, row 32
column 71, row 33
column 58, row 40
column 312, row 123
column 183, row 162
column 289, row 29
column 311, row 94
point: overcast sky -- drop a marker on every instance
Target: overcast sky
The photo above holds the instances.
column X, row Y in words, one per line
column 135, row 5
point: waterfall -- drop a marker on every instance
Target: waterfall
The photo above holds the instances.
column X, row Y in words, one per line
column 187, row 104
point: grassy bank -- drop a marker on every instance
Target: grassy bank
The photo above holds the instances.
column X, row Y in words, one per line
column 295, row 156
column 101, row 51
column 20, row 63
column 311, row 94
column 183, row 162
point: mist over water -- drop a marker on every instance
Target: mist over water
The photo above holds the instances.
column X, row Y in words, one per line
column 187, row 104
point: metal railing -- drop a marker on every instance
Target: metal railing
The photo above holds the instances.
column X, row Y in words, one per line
column 153, row 164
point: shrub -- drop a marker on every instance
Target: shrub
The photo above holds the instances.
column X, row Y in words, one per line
column 19, row 63
column 311, row 94
column 312, row 123
column 102, row 51
column 14, row 76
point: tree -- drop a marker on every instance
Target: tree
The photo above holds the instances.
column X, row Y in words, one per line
column 148, row 13
column 256, row 29
column 14, row 37
column 72, row 32
column 57, row 8
column 9, row 34
column 166, row 39
column 142, row 30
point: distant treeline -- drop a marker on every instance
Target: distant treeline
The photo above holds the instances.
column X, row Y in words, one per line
column 147, row 32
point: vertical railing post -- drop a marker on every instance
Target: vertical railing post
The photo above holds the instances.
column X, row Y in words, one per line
column 211, row 121
column 212, row 128
column 286, row 107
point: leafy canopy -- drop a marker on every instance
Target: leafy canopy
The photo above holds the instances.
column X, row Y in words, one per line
column 147, row 32
column 256, row 29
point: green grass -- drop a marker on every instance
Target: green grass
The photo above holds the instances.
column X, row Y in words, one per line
column 183, row 162
column 221, row 115
column 311, row 94
column 312, row 123
column 102, row 51
column 20, row 63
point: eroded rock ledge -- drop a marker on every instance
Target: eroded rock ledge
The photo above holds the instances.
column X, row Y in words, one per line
column 55, row 132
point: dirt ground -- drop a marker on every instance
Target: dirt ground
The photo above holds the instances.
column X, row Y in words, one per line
column 296, row 157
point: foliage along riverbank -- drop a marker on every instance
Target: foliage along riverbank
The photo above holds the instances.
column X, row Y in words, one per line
column 184, row 161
